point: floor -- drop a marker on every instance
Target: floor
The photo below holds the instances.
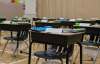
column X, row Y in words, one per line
column 22, row 58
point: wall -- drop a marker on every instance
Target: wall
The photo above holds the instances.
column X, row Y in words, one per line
column 69, row 8
column 30, row 8
column 5, row 1
column 9, row 10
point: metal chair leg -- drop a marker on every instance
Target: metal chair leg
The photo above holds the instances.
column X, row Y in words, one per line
column 4, row 47
column 17, row 46
column 94, row 59
column 0, row 37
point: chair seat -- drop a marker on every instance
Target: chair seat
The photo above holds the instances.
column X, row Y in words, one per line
column 91, row 43
column 49, row 55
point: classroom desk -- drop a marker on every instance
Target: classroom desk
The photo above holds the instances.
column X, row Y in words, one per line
column 7, row 27
column 62, row 39
column 14, row 27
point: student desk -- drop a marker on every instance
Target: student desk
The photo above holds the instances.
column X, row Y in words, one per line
column 14, row 27
column 61, row 39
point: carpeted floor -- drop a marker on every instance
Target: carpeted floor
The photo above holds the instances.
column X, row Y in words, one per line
column 7, row 58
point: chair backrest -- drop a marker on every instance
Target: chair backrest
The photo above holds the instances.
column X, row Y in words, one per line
column 22, row 33
column 94, row 38
column 23, row 27
column 62, row 50
column 94, row 34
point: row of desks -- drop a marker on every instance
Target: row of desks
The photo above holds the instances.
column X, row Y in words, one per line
column 92, row 21
column 52, row 38
column 64, row 23
column 61, row 39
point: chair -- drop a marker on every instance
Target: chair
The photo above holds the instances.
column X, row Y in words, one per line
column 55, row 52
column 94, row 41
column 21, row 35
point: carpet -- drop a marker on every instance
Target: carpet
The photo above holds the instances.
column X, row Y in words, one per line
column 7, row 58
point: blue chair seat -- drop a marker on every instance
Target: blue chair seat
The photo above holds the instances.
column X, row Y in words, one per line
column 45, row 54
column 55, row 52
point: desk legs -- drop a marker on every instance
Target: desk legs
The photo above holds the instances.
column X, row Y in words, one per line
column 68, row 52
column 11, row 36
column 0, row 37
column 30, row 50
column 17, row 47
column 67, row 56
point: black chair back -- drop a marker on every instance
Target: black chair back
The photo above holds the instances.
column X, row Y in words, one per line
column 23, row 31
column 60, row 50
column 94, row 34
column 22, row 35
